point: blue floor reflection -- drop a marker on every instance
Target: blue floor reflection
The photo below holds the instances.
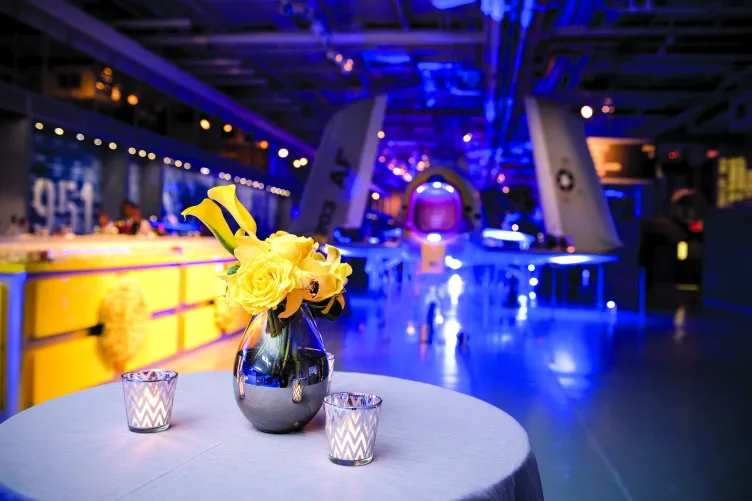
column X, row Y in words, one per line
column 616, row 409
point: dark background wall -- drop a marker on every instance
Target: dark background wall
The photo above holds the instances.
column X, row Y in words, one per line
column 14, row 166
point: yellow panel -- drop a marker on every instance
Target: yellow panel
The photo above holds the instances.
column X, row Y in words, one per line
column 64, row 304
column 199, row 327
column 3, row 333
column 242, row 321
column 201, row 282
column 161, row 342
column 66, row 367
column 432, row 258
column 161, row 287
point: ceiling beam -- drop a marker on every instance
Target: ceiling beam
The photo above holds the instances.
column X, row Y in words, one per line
column 62, row 21
column 215, row 61
column 153, row 24
column 224, row 71
column 305, row 38
column 589, row 34
column 577, row 96
column 724, row 91
column 399, row 10
column 230, row 81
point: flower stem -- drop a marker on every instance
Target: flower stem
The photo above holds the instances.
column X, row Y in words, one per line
column 286, row 333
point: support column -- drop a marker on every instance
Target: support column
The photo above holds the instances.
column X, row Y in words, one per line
column 12, row 295
column 15, row 164
column 114, row 182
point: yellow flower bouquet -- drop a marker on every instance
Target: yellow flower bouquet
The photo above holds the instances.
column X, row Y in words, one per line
column 283, row 281
column 277, row 274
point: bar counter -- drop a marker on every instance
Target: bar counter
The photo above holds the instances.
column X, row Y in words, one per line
column 52, row 292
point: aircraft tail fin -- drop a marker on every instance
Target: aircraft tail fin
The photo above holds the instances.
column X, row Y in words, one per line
column 571, row 194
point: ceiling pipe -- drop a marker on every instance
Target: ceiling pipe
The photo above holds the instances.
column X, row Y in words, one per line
column 152, row 24
column 524, row 87
column 576, row 33
column 366, row 38
column 492, row 59
column 526, row 16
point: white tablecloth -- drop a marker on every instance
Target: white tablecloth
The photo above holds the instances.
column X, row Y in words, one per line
column 432, row 444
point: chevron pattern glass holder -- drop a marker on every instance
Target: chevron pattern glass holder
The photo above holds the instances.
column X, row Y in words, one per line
column 149, row 395
column 352, row 420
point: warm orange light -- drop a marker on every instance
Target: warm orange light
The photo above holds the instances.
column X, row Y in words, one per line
column 116, row 95
column 467, row 137
column 296, row 164
column 381, row 134
column 712, row 153
column 204, row 123
column 227, row 128
column 570, row 248
column 375, row 196
column 505, row 189
column 133, row 100
column 107, row 71
column 500, row 178
column 263, row 144
column 99, row 86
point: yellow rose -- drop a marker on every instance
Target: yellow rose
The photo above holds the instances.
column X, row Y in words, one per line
column 260, row 283
column 291, row 247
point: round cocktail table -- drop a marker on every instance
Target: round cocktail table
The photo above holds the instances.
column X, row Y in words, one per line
column 432, row 444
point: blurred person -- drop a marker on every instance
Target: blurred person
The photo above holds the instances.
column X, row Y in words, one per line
column 24, row 225
column 105, row 224
column 14, row 229
column 134, row 223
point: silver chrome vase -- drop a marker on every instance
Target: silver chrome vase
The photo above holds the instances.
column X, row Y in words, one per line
column 281, row 371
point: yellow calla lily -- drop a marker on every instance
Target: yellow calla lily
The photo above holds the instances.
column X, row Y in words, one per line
column 226, row 197
column 211, row 215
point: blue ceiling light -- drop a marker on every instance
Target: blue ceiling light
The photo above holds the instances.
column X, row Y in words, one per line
column 450, row 4
column 386, row 57
column 433, row 66
column 490, row 111
column 494, row 9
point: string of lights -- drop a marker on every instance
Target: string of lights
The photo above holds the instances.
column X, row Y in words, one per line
column 179, row 164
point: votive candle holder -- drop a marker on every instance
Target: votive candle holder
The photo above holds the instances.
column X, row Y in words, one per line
column 352, row 420
column 149, row 396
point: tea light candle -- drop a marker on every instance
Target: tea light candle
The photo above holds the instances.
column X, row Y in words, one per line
column 351, row 423
column 149, row 395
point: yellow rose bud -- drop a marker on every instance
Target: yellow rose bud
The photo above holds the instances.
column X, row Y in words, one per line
column 291, row 247
column 261, row 283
